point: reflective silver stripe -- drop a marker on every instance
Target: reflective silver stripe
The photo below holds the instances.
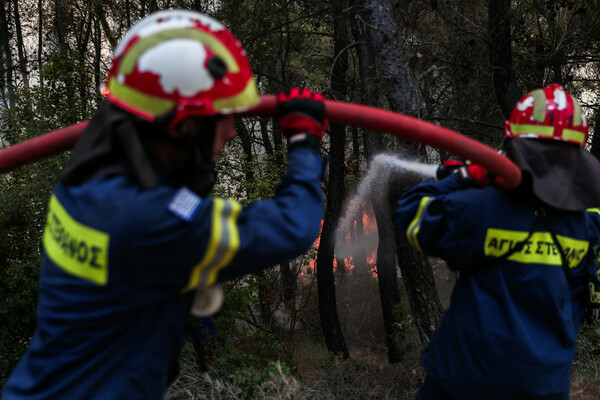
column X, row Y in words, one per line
column 222, row 246
column 415, row 224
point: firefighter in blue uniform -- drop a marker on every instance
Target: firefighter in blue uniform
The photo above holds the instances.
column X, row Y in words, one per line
column 132, row 239
column 525, row 258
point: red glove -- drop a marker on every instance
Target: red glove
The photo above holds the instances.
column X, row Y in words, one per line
column 302, row 116
column 447, row 168
column 478, row 176
column 470, row 175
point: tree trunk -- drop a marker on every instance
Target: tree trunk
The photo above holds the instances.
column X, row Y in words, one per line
column 417, row 273
column 368, row 77
column 127, row 12
column 386, row 274
column 40, row 40
column 289, row 285
column 334, row 337
column 419, row 283
column 595, row 139
column 359, row 255
column 20, row 47
column 401, row 94
column 60, row 23
column 332, row 331
column 6, row 66
column 399, row 86
column 500, row 44
column 383, row 36
column 97, row 53
column 101, row 17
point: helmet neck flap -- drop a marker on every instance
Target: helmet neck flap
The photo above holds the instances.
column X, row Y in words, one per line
column 199, row 173
column 112, row 144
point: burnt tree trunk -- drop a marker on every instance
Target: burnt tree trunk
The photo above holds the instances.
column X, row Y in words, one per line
column 420, row 286
column 401, row 94
column 417, row 274
column 332, row 331
column 387, row 277
column 368, row 76
column 384, row 37
column 357, row 230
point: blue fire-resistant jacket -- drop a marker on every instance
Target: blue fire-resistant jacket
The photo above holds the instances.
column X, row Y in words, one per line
column 119, row 268
column 510, row 329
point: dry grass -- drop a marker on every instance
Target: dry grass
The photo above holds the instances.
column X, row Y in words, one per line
column 322, row 379
column 367, row 375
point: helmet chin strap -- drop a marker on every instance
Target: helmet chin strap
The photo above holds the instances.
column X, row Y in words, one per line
column 199, row 173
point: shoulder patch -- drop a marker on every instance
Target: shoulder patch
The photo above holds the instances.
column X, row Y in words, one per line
column 184, row 204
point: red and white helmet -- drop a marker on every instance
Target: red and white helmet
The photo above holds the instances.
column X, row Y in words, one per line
column 548, row 113
column 182, row 62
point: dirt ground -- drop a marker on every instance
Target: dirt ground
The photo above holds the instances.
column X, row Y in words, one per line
column 311, row 366
column 584, row 390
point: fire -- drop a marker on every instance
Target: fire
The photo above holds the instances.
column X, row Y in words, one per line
column 358, row 247
column 104, row 90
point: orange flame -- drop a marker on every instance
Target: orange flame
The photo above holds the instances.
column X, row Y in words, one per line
column 367, row 235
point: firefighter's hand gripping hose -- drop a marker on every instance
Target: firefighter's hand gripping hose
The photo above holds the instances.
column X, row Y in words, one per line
column 301, row 116
column 470, row 175
column 448, row 167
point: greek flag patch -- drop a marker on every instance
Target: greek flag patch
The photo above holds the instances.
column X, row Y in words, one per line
column 185, row 204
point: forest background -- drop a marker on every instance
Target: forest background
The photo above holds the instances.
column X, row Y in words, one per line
column 330, row 324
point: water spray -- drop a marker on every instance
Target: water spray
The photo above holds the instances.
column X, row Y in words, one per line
column 375, row 182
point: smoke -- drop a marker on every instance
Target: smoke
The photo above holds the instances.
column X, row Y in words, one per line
column 375, row 182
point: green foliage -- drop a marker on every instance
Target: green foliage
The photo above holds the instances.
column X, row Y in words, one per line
column 17, row 316
column 330, row 360
column 247, row 368
column 286, row 44
column 65, row 98
column 24, row 193
column 252, row 181
column 244, row 351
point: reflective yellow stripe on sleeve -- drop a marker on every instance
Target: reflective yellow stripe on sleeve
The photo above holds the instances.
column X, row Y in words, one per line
column 415, row 224
column 222, row 246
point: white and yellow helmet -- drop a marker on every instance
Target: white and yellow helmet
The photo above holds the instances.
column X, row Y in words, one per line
column 180, row 62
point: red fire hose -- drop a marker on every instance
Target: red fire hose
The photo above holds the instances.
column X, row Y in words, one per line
column 338, row 112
